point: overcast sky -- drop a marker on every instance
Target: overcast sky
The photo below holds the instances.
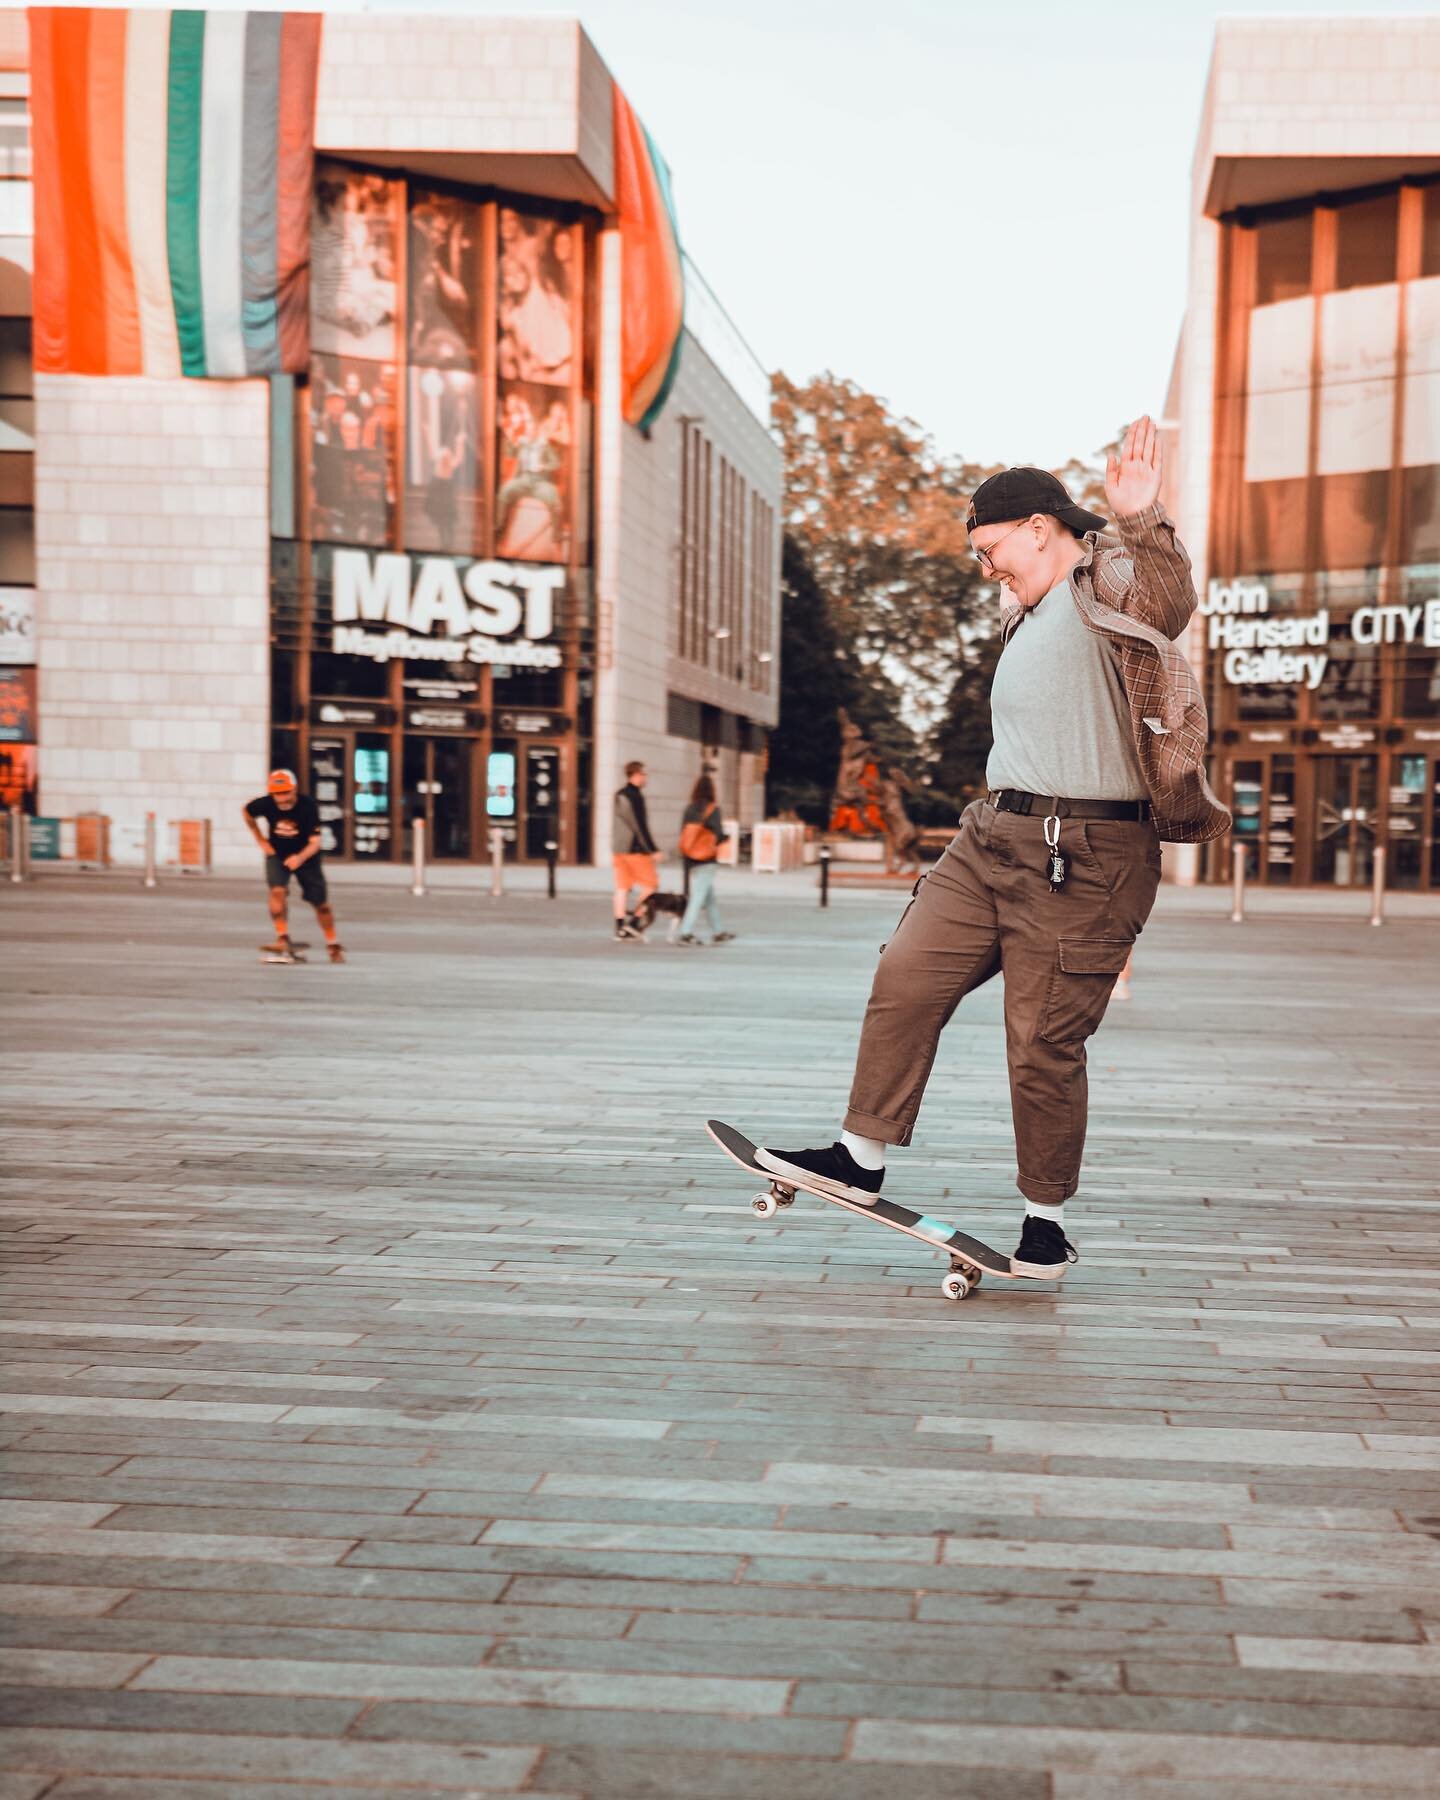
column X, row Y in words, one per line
column 977, row 211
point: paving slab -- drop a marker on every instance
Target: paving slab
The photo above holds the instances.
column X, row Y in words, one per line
column 399, row 1394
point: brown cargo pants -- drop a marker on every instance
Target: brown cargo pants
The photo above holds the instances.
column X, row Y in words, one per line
column 985, row 907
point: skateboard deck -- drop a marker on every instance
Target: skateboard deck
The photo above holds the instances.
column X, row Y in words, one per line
column 269, row 954
column 969, row 1257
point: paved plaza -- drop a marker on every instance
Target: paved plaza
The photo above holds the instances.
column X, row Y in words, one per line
column 401, row 1397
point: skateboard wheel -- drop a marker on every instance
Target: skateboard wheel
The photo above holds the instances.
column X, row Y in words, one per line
column 955, row 1286
column 764, row 1205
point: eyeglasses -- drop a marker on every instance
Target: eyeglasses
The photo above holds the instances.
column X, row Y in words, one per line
column 983, row 556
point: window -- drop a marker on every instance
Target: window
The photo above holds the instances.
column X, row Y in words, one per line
column 1420, row 533
column 695, row 549
column 1366, row 232
column 17, row 547
column 17, row 375
column 1282, row 258
column 1350, row 686
column 1430, row 232
column 1273, row 526
column 1353, row 515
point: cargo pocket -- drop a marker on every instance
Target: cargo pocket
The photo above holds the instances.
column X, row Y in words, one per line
column 1085, row 972
column 914, row 896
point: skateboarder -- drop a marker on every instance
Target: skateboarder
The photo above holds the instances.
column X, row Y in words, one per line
column 291, row 849
column 1099, row 746
column 633, row 852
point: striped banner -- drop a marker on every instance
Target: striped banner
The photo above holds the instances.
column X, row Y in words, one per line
column 652, row 282
column 173, row 163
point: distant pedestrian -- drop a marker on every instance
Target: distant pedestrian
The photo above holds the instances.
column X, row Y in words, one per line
column 702, row 832
column 633, row 852
column 292, row 849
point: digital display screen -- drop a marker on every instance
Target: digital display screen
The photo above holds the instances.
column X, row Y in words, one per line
column 372, row 781
column 500, row 785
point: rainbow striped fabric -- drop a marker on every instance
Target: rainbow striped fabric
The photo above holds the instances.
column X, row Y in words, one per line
column 173, row 165
column 652, row 284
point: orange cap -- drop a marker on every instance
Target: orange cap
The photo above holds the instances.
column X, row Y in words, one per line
column 282, row 781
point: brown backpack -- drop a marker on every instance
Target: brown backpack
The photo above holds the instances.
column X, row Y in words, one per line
column 698, row 843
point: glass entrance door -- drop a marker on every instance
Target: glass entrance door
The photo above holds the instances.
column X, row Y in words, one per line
column 438, row 774
column 1344, row 819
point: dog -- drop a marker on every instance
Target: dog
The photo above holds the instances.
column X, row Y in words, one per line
column 654, row 904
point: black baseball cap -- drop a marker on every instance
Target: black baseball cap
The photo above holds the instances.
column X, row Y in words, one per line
column 1016, row 493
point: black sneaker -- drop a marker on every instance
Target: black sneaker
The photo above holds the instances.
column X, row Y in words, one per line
column 1045, row 1253
column 833, row 1169
column 687, row 937
column 624, row 929
column 723, row 937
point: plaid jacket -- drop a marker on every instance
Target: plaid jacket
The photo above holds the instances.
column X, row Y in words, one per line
column 1135, row 591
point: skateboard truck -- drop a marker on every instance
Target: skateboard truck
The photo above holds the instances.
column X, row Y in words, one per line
column 766, row 1205
column 959, row 1284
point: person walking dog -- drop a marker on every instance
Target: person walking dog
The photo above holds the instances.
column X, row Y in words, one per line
column 633, row 851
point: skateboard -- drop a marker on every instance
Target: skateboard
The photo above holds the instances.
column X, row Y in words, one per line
column 970, row 1259
column 269, row 953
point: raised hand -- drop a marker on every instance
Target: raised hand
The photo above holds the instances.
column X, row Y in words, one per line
column 1132, row 481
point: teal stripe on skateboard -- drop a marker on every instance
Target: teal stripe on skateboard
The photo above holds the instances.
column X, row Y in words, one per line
column 934, row 1229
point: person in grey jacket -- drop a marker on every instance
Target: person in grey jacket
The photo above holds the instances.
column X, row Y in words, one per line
column 632, row 852
column 702, row 832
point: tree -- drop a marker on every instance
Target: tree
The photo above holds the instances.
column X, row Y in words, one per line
column 805, row 745
column 960, row 743
column 880, row 515
column 819, row 675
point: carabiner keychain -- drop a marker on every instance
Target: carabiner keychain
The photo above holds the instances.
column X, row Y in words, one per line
column 1057, row 861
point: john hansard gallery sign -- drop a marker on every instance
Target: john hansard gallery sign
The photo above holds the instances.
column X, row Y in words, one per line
column 448, row 609
column 1290, row 651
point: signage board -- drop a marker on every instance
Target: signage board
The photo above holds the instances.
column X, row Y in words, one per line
column 532, row 724
column 351, row 712
column 1292, row 650
column 17, row 705
column 437, row 717
column 444, row 609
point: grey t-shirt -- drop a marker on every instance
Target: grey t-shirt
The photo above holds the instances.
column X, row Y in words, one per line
column 1059, row 711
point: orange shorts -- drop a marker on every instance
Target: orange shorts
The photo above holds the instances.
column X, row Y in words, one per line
column 635, row 871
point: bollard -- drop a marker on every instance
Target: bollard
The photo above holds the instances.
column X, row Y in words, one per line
column 551, row 848
column 417, row 858
column 1377, row 888
column 824, row 874
column 150, row 877
column 1237, row 855
column 497, row 862
column 18, row 823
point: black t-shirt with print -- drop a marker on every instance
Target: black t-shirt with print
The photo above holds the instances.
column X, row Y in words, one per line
column 290, row 829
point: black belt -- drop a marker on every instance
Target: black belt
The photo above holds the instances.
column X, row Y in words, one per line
column 1013, row 800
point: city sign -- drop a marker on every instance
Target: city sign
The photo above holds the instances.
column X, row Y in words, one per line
column 1292, row 650
column 386, row 604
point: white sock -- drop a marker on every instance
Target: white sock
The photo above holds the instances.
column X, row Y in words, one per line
column 868, row 1152
column 1035, row 1209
